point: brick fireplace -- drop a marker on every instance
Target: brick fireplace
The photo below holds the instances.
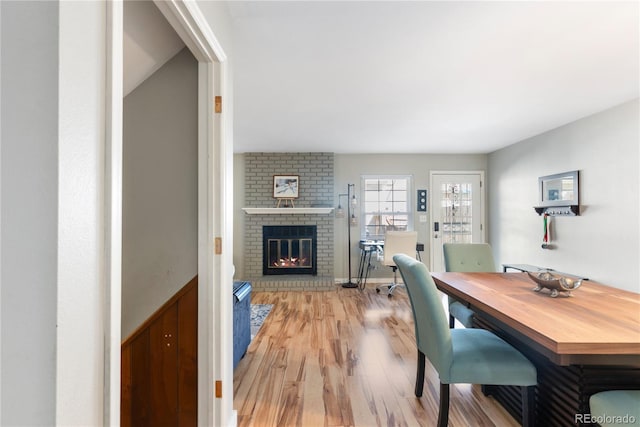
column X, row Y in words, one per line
column 316, row 194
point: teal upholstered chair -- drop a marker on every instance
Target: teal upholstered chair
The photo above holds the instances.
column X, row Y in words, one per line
column 616, row 408
column 471, row 356
column 466, row 258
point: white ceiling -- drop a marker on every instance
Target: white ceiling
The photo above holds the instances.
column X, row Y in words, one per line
column 409, row 77
column 424, row 77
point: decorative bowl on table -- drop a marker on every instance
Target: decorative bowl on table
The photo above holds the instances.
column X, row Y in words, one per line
column 555, row 283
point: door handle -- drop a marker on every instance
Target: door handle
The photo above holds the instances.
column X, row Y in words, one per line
column 436, row 226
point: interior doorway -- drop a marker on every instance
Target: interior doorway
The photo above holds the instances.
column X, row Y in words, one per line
column 214, row 194
column 457, row 211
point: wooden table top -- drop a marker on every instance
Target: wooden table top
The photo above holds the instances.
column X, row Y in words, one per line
column 597, row 325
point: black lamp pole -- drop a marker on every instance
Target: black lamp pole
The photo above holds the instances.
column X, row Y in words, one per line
column 349, row 283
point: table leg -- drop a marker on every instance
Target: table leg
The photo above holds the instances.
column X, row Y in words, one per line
column 363, row 254
column 366, row 274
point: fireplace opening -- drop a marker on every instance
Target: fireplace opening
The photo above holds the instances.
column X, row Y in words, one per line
column 289, row 249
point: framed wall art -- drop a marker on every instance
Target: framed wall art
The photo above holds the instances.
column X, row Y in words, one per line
column 286, row 186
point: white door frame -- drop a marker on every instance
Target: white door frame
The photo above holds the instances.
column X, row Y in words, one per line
column 215, row 204
column 432, row 199
column 113, row 212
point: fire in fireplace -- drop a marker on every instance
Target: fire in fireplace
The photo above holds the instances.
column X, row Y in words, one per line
column 289, row 249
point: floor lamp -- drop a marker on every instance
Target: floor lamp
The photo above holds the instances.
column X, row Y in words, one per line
column 352, row 220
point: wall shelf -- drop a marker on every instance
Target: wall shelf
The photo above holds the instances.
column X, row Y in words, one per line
column 569, row 210
column 288, row 211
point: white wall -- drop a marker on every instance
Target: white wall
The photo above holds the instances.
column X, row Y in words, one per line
column 81, row 289
column 603, row 242
column 160, row 189
column 53, row 65
column 220, row 21
column 29, row 188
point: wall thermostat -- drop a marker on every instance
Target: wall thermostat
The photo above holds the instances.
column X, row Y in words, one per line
column 422, row 201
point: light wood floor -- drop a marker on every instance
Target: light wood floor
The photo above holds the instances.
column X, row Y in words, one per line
column 345, row 358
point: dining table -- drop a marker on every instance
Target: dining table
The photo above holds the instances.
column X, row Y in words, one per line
column 581, row 342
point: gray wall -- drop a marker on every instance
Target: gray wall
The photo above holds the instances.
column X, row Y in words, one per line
column 29, row 206
column 602, row 243
column 160, row 189
column 348, row 169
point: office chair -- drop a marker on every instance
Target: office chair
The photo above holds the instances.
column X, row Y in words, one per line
column 466, row 258
column 461, row 356
column 397, row 242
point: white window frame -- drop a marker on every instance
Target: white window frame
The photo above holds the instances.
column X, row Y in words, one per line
column 364, row 212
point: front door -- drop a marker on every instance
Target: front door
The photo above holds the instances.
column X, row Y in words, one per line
column 457, row 216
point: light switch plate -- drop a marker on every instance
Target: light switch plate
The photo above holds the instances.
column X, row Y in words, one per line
column 421, row 201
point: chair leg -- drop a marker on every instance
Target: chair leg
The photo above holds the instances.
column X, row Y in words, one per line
column 380, row 287
column 443, row 413
column 528, row 406
column 391, row 289
column 393, row 286
column 420, row 374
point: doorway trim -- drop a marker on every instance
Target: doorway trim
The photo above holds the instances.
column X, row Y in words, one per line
column 113, row 212
column 215, row 172
column 433, row 199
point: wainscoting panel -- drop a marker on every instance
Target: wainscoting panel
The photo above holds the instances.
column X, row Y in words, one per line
column 159, row 375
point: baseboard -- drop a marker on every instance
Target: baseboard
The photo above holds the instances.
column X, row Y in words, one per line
column 371, row 280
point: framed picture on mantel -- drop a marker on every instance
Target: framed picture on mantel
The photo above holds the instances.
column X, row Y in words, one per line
column 286, row 186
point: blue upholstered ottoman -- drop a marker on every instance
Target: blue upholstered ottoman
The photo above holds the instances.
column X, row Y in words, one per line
column 241, row 319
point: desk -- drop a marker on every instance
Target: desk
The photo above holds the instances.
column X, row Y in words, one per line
column 580, row 345
column 367, row 248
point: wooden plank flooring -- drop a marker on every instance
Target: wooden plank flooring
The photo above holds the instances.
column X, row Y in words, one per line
column 345, row 358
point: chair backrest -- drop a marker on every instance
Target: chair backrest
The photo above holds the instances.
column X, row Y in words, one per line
column 468, row 257
column 433, row 336
column 399, row 242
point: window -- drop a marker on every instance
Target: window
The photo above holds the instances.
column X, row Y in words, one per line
column 385, row 204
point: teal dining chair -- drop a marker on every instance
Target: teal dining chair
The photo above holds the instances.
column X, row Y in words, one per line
column 615, row 407
column 461, row 356
column 466, row 258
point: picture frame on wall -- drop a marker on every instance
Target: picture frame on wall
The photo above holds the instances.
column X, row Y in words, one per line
column 286, row 186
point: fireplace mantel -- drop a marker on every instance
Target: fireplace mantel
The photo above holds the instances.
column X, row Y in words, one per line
column 287, row 211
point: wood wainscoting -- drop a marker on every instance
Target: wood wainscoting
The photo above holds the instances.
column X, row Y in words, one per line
column 159, row 377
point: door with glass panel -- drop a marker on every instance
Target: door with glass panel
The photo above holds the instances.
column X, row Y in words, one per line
column 457, row 201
